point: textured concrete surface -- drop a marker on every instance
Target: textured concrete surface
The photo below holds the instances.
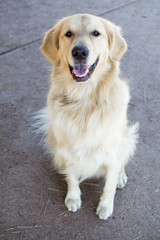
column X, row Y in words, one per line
column 31, row 194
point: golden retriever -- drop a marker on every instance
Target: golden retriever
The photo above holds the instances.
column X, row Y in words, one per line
column 85, row 121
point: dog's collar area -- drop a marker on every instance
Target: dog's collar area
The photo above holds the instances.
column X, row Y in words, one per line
column 82, row 73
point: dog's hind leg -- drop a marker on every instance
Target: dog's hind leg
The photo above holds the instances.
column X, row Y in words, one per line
column 122, row 179
column 127, row 149
column 73, row 197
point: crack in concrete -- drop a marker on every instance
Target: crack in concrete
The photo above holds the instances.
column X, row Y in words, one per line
column 20, row 46
column 100, row 15
column 117, row 8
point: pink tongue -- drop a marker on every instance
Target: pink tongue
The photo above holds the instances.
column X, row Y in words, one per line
column 80, row 70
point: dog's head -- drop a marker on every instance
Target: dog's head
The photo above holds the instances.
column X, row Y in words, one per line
column 81, row 43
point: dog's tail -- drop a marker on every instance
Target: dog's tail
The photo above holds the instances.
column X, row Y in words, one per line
column 40, row 124
column 129, row 142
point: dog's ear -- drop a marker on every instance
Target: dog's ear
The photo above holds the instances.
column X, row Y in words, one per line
column 117, row 44
column 50, row 44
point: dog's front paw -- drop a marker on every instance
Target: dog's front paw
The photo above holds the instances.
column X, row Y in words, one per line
column 73, row 204
column 104, row 210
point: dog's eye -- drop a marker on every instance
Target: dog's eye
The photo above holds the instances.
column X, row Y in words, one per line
column 68, row 34
column 95, row 33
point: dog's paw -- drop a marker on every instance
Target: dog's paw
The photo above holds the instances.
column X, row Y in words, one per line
column 104, row 211
column 122, row 180
column 73, row 204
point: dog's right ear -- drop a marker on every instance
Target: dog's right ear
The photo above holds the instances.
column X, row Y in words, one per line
column 50, row 45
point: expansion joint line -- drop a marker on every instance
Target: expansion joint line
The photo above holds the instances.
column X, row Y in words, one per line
column 117, row 8
column 20, row 46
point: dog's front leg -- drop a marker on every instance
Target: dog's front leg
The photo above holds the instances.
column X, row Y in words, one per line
column 73, row 197
column 105, row 206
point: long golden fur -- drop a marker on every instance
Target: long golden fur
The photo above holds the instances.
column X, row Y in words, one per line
column 85, row 121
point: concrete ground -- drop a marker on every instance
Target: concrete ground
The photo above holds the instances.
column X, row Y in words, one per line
column 31, row 194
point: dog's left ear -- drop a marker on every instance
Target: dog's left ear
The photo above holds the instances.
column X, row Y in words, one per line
column 117, row 43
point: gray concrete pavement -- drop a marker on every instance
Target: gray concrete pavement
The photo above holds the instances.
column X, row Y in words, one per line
column 32, row 195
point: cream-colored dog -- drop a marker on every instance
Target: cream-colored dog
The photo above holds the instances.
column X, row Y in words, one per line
column 85, row 121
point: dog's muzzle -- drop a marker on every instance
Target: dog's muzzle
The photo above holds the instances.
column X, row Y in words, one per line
column 81, row 71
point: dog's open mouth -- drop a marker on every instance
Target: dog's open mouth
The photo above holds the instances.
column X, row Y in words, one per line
column 81, row 72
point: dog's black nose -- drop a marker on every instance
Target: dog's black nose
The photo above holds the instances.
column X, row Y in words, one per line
column 80, row 52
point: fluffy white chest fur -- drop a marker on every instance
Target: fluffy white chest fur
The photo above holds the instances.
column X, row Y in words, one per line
column 85, row 139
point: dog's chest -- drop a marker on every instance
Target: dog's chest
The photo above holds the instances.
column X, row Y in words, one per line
column 87, row 144
column 85, row 137
column 84, row 130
